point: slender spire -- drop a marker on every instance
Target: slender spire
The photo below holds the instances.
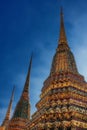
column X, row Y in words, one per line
column 62, row 37
column 23, row 107
column 27, row 82
column 7, row 117
column 63, row 60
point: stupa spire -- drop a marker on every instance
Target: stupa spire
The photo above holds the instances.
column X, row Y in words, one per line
column 23, row 107
column 22, row 111
column 8, row 113
column 27, row 82
column 62, row 37
column 63, row 60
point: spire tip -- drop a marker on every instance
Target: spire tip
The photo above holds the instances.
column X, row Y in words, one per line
column 61, row 11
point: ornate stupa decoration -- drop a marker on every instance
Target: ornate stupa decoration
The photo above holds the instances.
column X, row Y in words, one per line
column 8, row 113
column 22, row 111
column 63, row 99
column 63, row 60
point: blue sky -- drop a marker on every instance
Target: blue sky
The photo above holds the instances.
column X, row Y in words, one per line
column 33, row 25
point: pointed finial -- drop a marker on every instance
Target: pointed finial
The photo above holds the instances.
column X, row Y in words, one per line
column 7, row 117
column 26, row 86
column 13, row 93
column 30, row 66
column 29, row 69
column 61, row 11
column 62, row 37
